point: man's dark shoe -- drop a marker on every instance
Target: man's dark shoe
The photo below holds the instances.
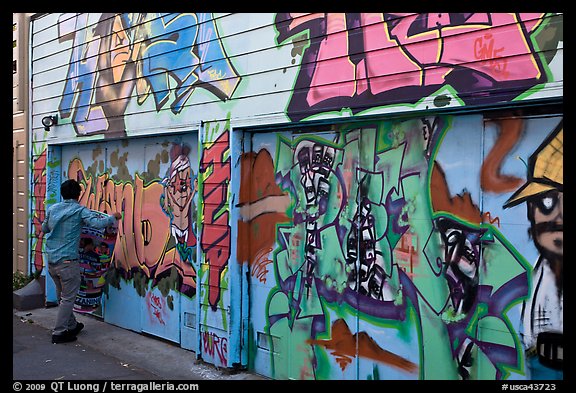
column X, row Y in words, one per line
column 77, row 329
column 63, row 338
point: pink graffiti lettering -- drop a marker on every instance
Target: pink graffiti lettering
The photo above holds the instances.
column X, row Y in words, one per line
column 360, row 60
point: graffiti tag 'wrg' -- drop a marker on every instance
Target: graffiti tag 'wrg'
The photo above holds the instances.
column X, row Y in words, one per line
column 215, row 345
column 140, row 51
column 362, row 60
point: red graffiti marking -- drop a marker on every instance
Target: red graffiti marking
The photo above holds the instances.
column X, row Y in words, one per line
column 156, row 304
column 491, row 220
column 213, row 344
column 215, row 230
column 484, row 50
column 405, row 255
column 39, row 187
column 156, row 313
column 155, row 300
column 259, row 268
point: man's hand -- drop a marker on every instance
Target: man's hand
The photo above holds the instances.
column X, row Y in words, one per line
column 117, row 215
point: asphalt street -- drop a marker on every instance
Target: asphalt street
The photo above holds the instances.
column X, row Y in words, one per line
column 103, row 352
column 36, row 358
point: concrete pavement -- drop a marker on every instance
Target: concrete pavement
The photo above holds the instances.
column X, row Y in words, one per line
column 103, row 352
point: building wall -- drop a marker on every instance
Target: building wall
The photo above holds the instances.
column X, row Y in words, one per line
column 333, row 159
column 20, row 143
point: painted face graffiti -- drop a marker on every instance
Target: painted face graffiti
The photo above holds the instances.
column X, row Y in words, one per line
column 178, row 200
column 547, row 212
column 462, row 259
column 542, row 314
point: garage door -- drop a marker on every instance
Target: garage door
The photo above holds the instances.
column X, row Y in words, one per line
column 151, row 286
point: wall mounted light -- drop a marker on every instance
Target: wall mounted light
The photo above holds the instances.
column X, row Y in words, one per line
column 49, row 121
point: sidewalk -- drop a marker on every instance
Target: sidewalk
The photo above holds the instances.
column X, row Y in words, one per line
column 103, row 352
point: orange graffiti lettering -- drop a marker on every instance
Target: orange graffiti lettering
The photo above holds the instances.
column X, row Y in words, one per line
column 137, row 244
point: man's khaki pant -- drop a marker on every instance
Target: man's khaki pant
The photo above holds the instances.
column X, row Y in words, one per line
column 66, row 276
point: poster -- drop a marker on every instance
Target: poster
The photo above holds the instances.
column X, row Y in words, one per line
column 96, row 250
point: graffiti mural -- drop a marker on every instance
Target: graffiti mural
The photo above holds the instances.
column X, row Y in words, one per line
column 357, row 61
column 473, row 295
column 289, row 201
column 543, row 193
column 334, row 220
column 215, row 168
column 215, row 242
column 139, row 53
column 139, row 249
column 180, row 186
column 381, row 240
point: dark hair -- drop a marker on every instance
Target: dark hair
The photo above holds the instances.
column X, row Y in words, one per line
column 70, row 189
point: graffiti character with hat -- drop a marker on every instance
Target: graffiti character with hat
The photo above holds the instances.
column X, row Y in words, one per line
column 542, row 313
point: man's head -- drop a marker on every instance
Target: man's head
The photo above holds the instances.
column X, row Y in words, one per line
column 70, row 189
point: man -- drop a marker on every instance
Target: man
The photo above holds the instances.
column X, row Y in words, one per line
column 63, row 224
column 543, row 313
